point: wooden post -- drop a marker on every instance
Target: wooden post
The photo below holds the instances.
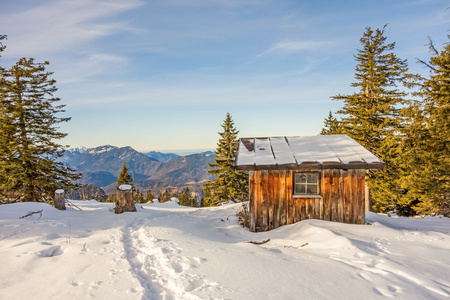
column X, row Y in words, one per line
column 367, row 196
column 59, row 200
column 124, row 199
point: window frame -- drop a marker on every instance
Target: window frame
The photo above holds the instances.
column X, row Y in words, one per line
column 306, row 195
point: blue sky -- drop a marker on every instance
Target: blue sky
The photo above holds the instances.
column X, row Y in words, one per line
column 161, row 75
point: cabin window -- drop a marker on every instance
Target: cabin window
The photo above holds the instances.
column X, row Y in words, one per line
column 306, row 184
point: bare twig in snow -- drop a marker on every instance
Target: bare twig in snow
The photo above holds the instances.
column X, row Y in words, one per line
column 32, row 213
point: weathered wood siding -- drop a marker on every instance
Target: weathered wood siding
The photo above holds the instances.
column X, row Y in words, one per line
column 272, row 203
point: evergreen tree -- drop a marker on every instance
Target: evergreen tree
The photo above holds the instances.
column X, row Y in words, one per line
column 194, row 201
column 149, row 196
column 28, row 130
column 187, row 198
column 111, row 198
column 331, row 125
column 426, row 146
column 183, row 197
column 124, row 176
column 164, row 196
column 2, row 47
column 372, row 115
column 229, row 185
column 138, row 197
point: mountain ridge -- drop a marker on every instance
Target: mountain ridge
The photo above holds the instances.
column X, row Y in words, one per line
column 101, row 166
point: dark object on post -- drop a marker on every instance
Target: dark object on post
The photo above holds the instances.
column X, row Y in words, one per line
column 297, row 178
column 124, row 199
column 59, row 200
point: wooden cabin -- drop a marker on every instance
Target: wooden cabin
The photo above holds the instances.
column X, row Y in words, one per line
column 311, row 177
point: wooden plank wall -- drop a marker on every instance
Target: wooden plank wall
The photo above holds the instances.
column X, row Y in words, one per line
column 272, row 203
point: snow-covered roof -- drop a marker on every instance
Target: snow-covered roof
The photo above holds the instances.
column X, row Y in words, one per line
column 293, row 152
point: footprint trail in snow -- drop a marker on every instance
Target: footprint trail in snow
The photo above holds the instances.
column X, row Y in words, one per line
column 160, row 264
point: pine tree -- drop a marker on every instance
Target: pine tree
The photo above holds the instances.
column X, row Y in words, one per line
column 124, row 176
column 28, row 130
column 229, row 185
column 111, row 198
column 331, row 125
column 194, row 201
column 426, row 147
column 149, row 196
column 372, row 115
column 2, row 47
column 138, row 197
column 164, row 196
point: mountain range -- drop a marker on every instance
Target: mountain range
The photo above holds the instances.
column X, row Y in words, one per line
column 153, row 170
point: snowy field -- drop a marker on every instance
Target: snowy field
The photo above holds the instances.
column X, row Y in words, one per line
column 165, row 251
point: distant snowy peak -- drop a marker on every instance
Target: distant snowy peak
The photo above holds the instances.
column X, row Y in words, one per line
column 101, row 149
column 79, row 149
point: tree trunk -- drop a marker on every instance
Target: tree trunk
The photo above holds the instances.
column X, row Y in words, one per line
column 124, row 199
column 59, row 200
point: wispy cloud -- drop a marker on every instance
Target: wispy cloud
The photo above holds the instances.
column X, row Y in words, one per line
column 294, row 47
column 222, row 3
column 60, row 25
column 89, row 65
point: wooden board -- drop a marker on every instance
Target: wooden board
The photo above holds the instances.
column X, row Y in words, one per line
column 297, row 210
column 340, row 195
column 326, row 192
column 283, row 197
column 334, row 181
column 276, row 199
column 289, row 202
column 258, row 202
column 251, row 201
column 270, row 198
column 264, row 194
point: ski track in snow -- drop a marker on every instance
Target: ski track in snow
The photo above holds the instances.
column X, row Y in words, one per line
column 159, row 264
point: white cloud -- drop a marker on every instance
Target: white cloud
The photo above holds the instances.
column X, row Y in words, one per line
column 222, row 3
column 60, row 25
column 294, row 47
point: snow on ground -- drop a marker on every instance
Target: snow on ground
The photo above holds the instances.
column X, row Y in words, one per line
column 166, row 251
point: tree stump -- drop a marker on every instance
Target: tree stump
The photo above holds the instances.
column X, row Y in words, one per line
column 59, row 200
column 124, row 199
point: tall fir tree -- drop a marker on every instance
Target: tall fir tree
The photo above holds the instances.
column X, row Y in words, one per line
column 331, row 125
column 426, row 145
column 124, row 176
column 372, row 115
column 28, row 129
column 230, row 184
